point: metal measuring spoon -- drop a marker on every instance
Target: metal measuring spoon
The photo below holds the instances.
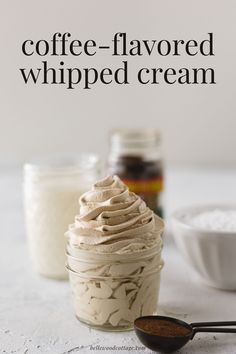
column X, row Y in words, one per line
column 168, row 334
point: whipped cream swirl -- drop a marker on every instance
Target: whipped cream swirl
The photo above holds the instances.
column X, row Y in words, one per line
column 114, row 220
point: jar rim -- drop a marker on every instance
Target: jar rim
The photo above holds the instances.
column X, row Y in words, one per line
column 123, row 277
column 115, row 257
column 135, row 142
column 60, row 165
column 136, row 135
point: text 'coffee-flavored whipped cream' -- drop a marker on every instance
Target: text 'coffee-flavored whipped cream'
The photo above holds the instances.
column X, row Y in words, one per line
column 114, row 256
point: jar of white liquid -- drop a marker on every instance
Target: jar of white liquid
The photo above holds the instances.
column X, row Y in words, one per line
column 51, row 193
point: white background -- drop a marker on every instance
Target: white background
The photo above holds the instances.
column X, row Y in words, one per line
column 197, row 122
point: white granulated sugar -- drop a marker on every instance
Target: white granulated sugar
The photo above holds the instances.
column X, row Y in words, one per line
column 215, row 220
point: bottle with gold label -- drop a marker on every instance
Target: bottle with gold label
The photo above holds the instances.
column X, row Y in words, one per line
column 136, row 158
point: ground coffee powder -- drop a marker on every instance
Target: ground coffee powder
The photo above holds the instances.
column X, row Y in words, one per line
column 162, row 328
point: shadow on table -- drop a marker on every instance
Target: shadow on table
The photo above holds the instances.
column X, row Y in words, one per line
column 216, row 344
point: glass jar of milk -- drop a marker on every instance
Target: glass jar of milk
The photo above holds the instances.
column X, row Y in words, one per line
column 51, row 193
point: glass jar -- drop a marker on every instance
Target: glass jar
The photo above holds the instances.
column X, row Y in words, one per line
column 136, row 158
column 51, row 193
column 111, row 290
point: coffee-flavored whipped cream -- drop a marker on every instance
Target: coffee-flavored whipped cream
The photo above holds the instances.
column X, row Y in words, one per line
column 114, row 220
column 114, row 256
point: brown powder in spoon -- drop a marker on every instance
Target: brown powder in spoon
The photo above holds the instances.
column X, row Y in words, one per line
column 162, row 328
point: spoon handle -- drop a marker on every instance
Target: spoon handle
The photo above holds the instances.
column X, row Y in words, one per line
column 213, row 324
column 213, row 330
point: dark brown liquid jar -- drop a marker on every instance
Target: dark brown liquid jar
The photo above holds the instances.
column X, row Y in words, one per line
column 135, row 157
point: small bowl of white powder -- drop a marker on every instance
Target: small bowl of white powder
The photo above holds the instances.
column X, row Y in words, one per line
column 206, row 237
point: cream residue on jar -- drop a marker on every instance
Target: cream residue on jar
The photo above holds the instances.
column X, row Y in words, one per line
column 114, row 256
column 114, row 220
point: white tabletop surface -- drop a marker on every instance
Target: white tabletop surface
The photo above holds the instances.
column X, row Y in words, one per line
column 36, row 314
